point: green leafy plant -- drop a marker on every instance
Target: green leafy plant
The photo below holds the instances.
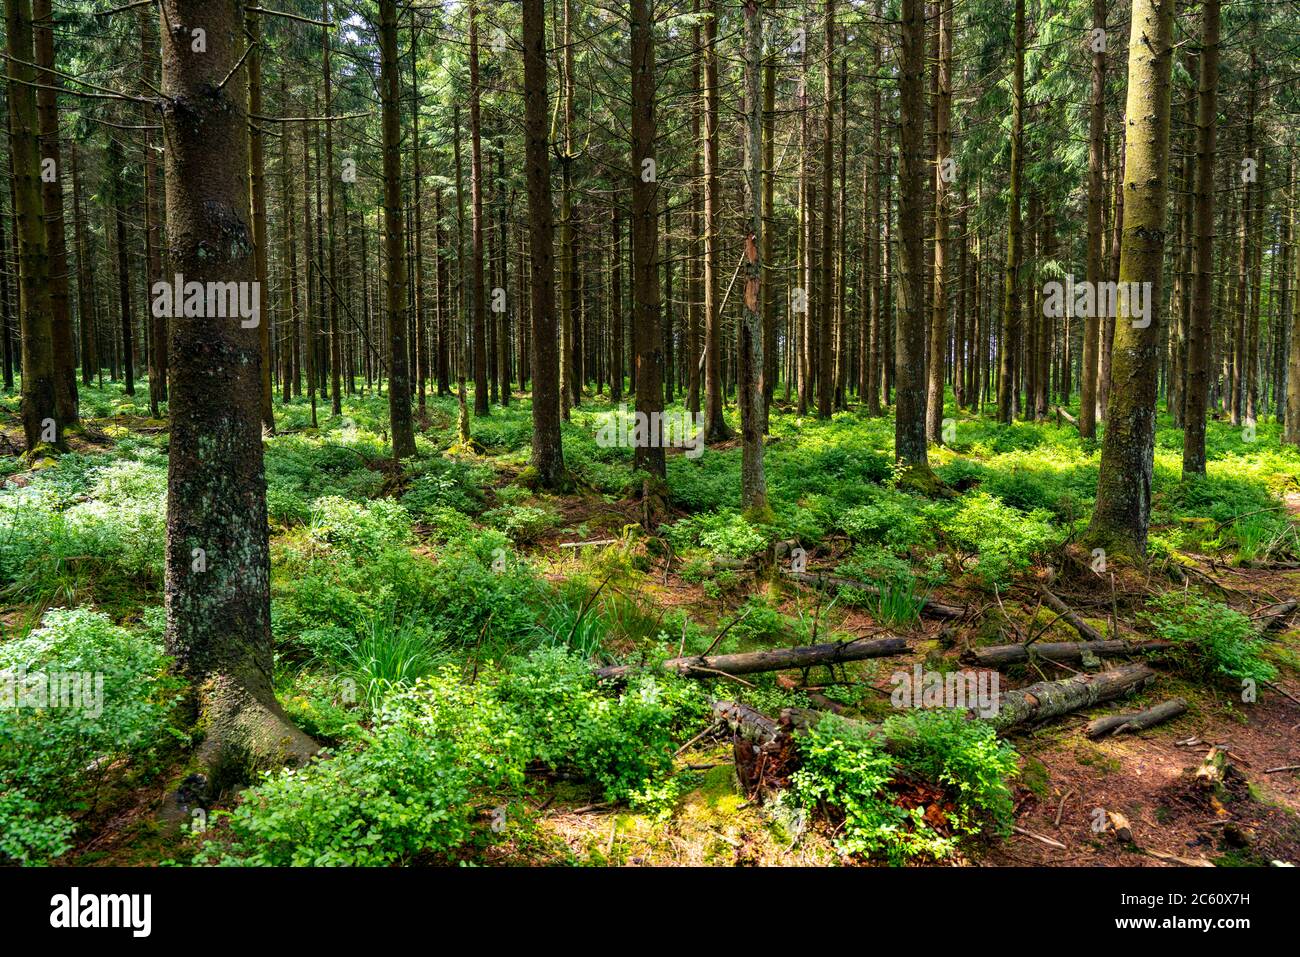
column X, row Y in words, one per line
column 397, row 793
column 56, row 754
column 390, row 652
column 857, row 771
column 1209, row 638
column 1003, row 538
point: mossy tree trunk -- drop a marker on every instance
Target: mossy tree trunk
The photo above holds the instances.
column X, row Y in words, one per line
column 217, row 556
column 1123, row 509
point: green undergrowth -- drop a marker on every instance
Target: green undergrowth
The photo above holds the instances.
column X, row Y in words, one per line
column 431, row 635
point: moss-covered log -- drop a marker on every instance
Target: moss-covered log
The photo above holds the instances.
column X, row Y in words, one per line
column 1051, row 699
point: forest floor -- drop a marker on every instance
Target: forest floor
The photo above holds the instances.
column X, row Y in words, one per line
column 1017, row 496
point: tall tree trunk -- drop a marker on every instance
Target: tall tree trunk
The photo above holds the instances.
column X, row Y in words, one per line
column 548, row 452
column 40, row 413
column 769, row 371
column 649, row 454
column 85, row 296
column 257, row 193
column 567, row 279
column 336, row 341
column 291, row 351
column 1106, row 348
column 117, row 164
column 716, row 428
column 1239, row 374
column 1123, row 510
column 477, row 305
column 1290, row 313
column 47, row 109
column 753, row 483
column 616, row 301
column 399, row 383
column 909, row 349
column 1096, row 205
column 942, row 176
column 1285, row 310
column 217, row 554
column 826, row 305
column 875, row 337
column 503, row 324
column 1009, row 341
column 309, row 269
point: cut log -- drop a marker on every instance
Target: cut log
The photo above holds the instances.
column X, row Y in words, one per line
column 1119, row 825
column 1113, row 724
column 1067, row 615
column 1212, row 770
column 1051, row 699
column 998, row 656
column 931, row 608
column 775, row 659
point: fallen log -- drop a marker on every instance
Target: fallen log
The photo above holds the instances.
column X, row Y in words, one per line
column 774, row 659
column 930, row 609
column 1046, row 699
column 998, row 656
column 1113, row 724
column 1273, row 616
column 1062, row 414
column 764, row 750
column 1051, row 699
column 1067, row 615
column 749, row 723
